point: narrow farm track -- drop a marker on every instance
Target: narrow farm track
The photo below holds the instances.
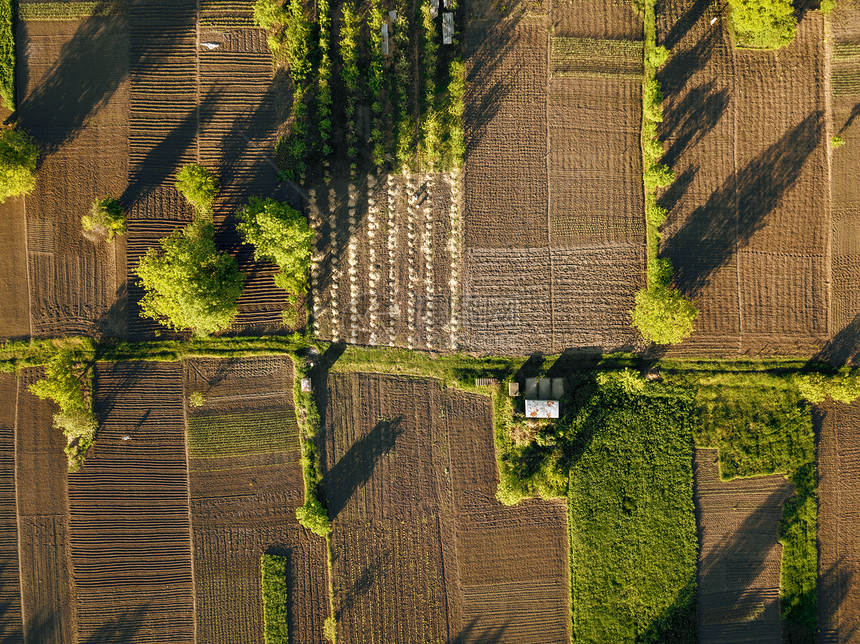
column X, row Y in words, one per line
column 129, row 521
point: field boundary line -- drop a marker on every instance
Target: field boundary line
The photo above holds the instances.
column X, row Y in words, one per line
column 29, row 286
column 549, row 38
column 737, row 204
column 17, row 507
column 188, row 492
column 828, row 133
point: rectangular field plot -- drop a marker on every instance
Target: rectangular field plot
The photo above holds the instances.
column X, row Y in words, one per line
column 10, row 588
column 246, row 482
column 605, row 19
column 129, row 526
column 838, row 513
column 594, row 162
column 506, row 142
column 739, row 558
column 423, row 551
column 14, row 291
column 596, row 58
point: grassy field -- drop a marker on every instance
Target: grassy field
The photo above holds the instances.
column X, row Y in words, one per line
column 240, row 433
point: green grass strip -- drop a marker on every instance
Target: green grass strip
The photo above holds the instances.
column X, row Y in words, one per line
column 274, row 578
column 241, row 433
column 7, row 54
column 68, row 10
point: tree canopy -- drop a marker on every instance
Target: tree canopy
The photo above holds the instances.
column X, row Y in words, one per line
column 281, row 235
column 764, row 24
column 189, row 284
column 199, row 187
column 663, row 315
column 18, row 156
column 106, row 214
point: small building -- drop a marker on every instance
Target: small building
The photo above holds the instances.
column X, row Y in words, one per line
column 392, row 16
column 306, row 386
column 385, row 39
column 541, row 409
column 447, row 28
column 513, row 389
column 434, row 8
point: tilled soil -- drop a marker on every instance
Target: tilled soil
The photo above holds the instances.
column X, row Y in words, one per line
column 422, row 549
column 739, row 556
column 11, row 628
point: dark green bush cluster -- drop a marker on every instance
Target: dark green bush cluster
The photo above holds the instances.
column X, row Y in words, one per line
column 429, row 139
column 18, row 157
column 199, row 186
column 403, row 80
column 842, row 386
column 375, row 79
column 106, row 215
column 324, row 79
column 273, row 569
column 7, row 54
column 68, row 382
column 763, row 24
column 454, row 143
column 312, row 515
column 349, row 31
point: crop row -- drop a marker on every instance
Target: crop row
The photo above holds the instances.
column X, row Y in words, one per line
column 68, row 10
column 240, row 433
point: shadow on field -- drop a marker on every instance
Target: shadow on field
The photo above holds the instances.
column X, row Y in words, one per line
column 86, row 74
column 469, row 635
column 683, row 24
column 689, row 120
column 855, row 112
column 714, row 231
column 675, row 192
column 112, row 380
column 356, row 467
column 681, row 66
column 121, row 629
column 360, row 586
column 843, row 347
column 834, row 585
column 678, row 622
column 725, row 574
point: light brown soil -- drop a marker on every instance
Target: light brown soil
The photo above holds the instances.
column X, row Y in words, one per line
column 10, row 586
column 129, row 527
column 748, row 228
column 80, row 120
column 14, row 289
column 410, row 477
column 242, row 507
column 43, row 518
column 838, row 512
column 739, row 556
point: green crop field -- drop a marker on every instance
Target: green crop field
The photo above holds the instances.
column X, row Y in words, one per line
column 242, row 433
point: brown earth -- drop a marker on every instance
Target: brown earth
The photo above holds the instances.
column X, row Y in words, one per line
column 748, row 228
column 129, row 524
column 838, row 511
column 410, row 478
column 80, row 121
column 44, row 543
column 14, row 287
column 739, row 556
column 10, row 585
column 244, row 506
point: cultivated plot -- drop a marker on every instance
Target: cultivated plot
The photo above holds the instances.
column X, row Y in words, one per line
column 246, row 482
column 410, row 477
column 739, row 556
column 10, row 589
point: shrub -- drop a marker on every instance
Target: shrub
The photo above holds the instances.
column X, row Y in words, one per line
column 273, row 570
column 196, row 399
column 652, row 100
column 429, row 131
column 106, row 215
column 763, row 24
column 375, row 79
column 625, row 381
column 658, row 175
column 330, row 629
column 349, row 30
column 843, row 386
column 655, row 214
column 827, row 6
column 297, row 41
column 189, row 284
column 324, row 79
column 199, row 187
column 658, row 56
column 313, row 516
column 653, row 149
column 454, row 113
column 837, row 142
column 268, row 14
column 659, row 271
column 663, row 315
column 7, row 54
column 18, row 156
column 280, row 234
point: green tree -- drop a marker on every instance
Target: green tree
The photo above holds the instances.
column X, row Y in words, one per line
column 189, row 284
column 282, row 235
column 268, row 14
column 199, row 187
column 297, row 41
column 663, row 315
column 764, row 24
column 18, row 156
column 106, row 215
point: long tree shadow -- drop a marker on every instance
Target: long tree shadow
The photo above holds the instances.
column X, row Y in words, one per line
column 471, row 634
column 689, row 120
column 714, row 231
column 684, row 63
column 855, row 112
column 121, row 629
column 834, row 587
column 843, row 347
column 355, row 468
column 87, row 72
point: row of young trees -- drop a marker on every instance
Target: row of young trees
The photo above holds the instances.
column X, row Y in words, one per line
column 412, row 124
column 190, row 285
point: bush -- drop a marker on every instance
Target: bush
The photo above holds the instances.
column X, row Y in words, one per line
column 18, row 156
column 280, row 234
column 655, row 214
column 659, row 271
column 324, row 79
column 827, row 6
column 7, row 54
column 652, row 100
column 763, row 24
column 663, row 315
column 199, row 187
column 313, row 516
column 268, row 14
column 429, row 141
column 106, row 215
column 189, row 284
column 843, row 386
column 273, row 570
column 349, row 31
column 625, row 381
column 658, row 175
column 456, row 145
column 330, row 629
column 658, row 56
column 653, row 149
column 837, row 142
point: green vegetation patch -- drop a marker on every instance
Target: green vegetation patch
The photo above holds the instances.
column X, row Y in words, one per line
column 274, row 583
column 597, row 57
column 632, row 525
column 68, row 10
column 241, row 433
column 7, row 54
column 763, row 24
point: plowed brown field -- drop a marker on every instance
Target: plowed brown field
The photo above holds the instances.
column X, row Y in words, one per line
column 748, row 228
column 739, row 556
column 129, row 524
column 243, row 499
column 10, row 587
column 422, row 549
column 838, row 514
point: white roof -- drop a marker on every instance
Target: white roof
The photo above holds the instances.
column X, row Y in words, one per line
column 542, row 409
